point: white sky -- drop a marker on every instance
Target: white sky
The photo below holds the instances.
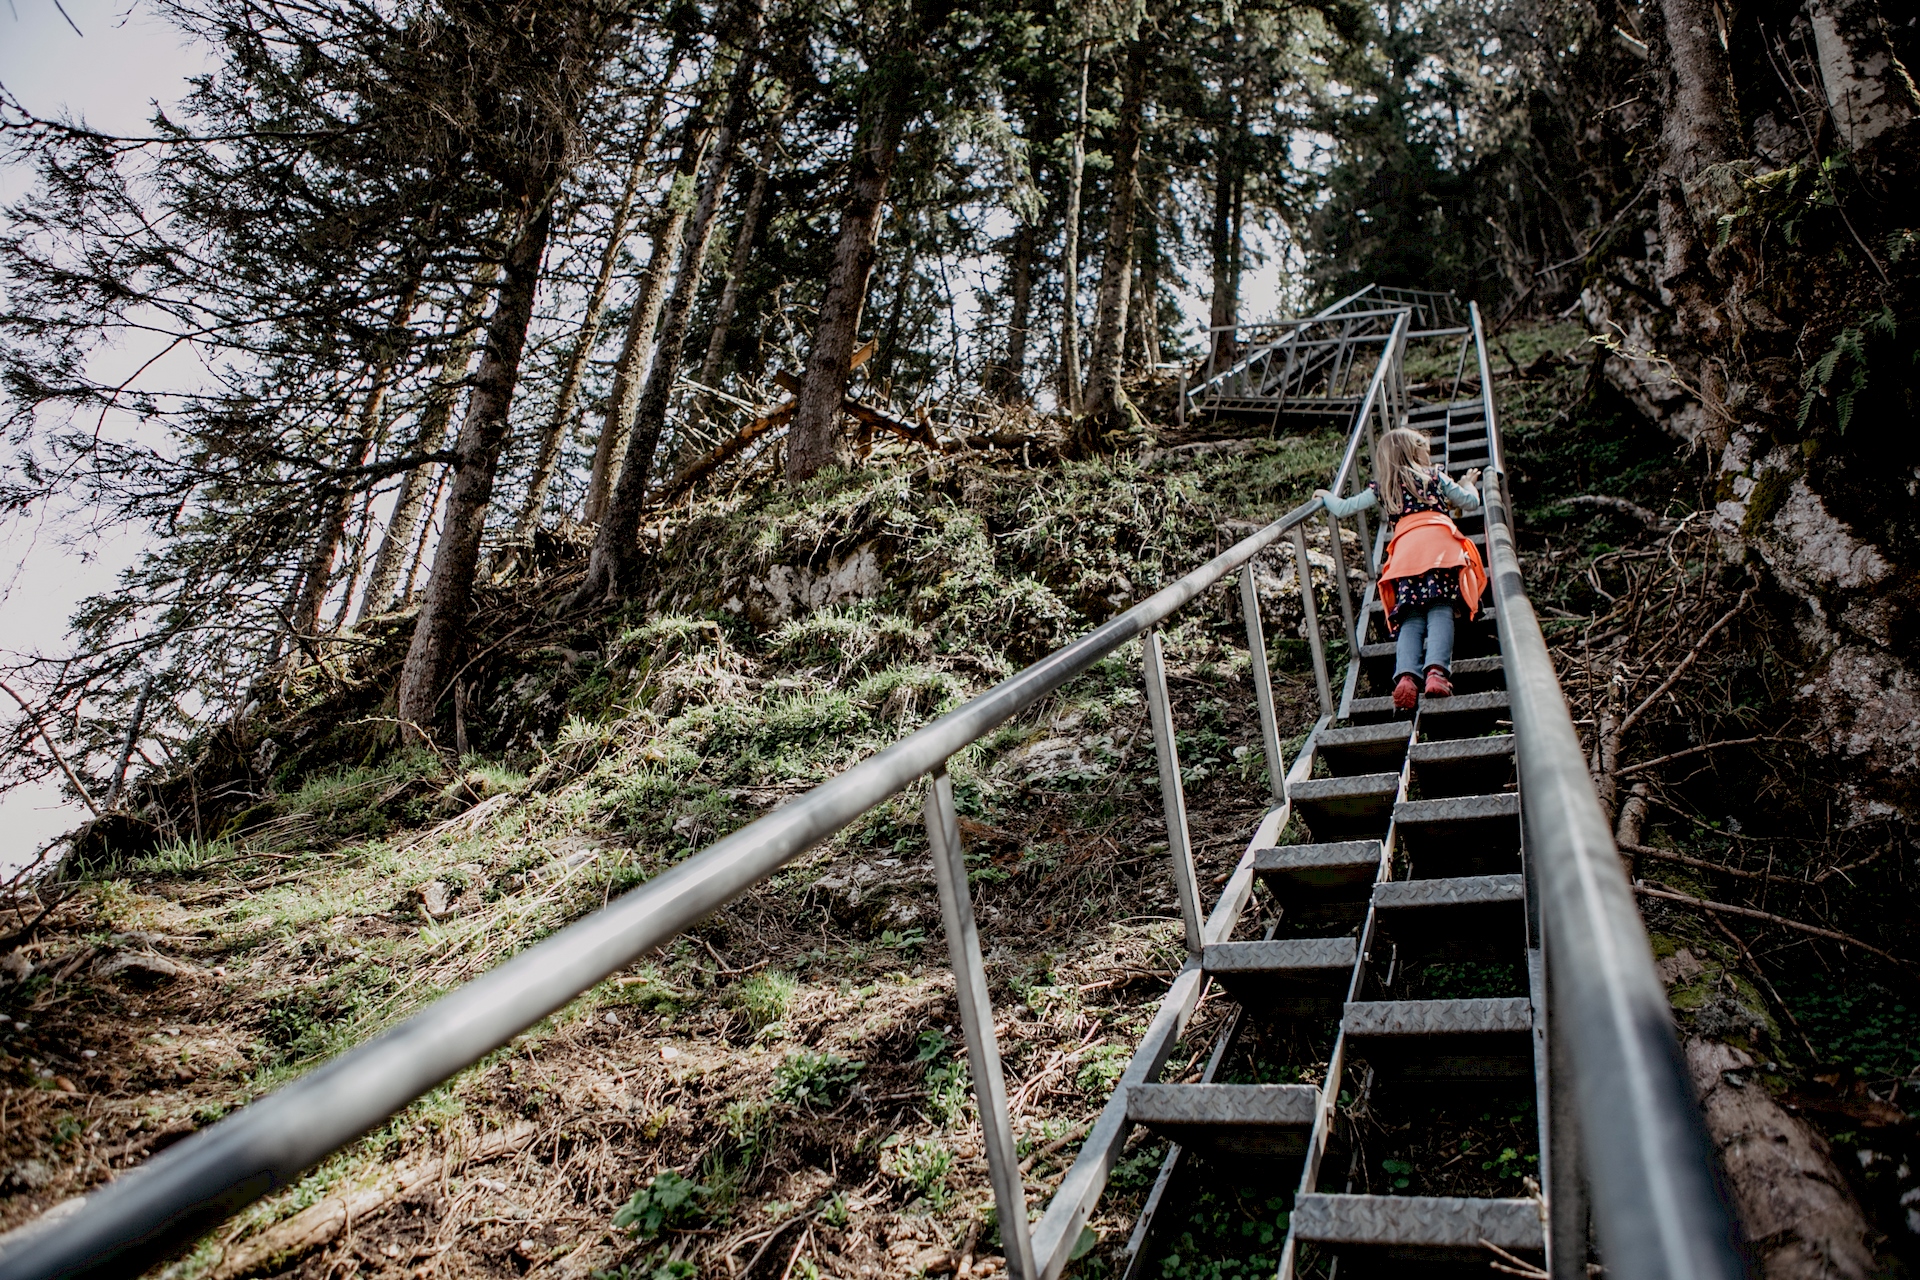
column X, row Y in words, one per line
column 110, row 76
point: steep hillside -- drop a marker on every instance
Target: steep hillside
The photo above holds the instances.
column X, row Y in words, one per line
column 796, row 1055
column 783, row 1087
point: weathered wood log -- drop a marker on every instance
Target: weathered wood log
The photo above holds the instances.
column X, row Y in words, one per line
column 284, row 1242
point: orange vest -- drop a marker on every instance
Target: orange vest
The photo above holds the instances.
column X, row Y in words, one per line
column 1428, row 540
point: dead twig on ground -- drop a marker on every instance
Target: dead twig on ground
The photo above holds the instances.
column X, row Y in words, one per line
column 1668, row 855
column 1727, row 908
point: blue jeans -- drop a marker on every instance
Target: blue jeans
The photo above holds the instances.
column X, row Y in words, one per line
column 1425, row 633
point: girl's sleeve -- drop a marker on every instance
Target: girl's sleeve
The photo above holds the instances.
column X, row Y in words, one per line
column 1457, row 493
column 1365, row 500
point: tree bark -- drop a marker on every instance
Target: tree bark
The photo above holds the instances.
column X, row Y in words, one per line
column 441, row 626
column 398, row 541
column 1011, row 378
column 737, row 267
column 1799, row 1218
column 1070, row 252
column 815, row 441
column 1224, row 242
column 1149, row 308
column 1698, row 130
column 1104, row 400
column 610, row 561
column 547, row 461
column 610, row 450
column 896, row 312
column 1868, row 90
column 368, row 425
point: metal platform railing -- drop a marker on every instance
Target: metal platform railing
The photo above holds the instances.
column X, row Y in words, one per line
column 1630, row 1114
column 1307, row 366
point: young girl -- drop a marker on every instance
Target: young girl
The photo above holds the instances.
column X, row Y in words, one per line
column 1431, row 570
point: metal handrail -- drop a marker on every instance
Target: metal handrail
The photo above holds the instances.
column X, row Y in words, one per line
column 1368, row 405
column 150, row 1212
column 1659, row 1211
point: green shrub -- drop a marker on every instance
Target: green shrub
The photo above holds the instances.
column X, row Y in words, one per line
column 668, row 1200
column 922, row 1164
column 806, row 1078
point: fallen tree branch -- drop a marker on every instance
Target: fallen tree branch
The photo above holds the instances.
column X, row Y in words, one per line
column 1851, row 866
column 1727, row 908
column 724, row 453
column 1026, row 1166
column 1680, row 668
column 1657, row 761
column 1667, row 855
column 282, row 1243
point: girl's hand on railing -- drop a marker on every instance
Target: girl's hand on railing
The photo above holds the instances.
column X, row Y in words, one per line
column 1321, row 494
column 1471, row 480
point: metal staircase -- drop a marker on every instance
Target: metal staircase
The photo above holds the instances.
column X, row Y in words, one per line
column 1445, row 921
column 1408, row 856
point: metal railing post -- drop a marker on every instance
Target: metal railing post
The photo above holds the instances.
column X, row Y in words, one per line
column 1344, row 594
column 1173, row 797
column 1263, row 685
column 976, row 1018
column 1303, row 569
column 1561, row 1178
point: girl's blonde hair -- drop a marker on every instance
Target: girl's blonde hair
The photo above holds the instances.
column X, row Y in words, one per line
column 1402, row 464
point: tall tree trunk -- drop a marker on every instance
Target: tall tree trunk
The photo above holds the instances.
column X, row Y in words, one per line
column 1868, row 90
column 357, row 559
column 397, row 542
column 737, row 266
column 814, row 440
column 1224, row 243
column 1698, row 129
column 547, row 461
column 896, row 311
column 635, row 350
column 1149, row 308
column 610, row 560
column 1011, row 379
column 1070, row 252
column 1104, row 400
column 426, row 532
column 368, row 425
column 438, row 631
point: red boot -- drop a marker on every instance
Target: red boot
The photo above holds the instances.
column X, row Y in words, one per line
column 1438, row 686
column 1406, row 693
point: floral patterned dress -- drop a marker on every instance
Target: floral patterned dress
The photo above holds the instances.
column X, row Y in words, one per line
column 1436, row 586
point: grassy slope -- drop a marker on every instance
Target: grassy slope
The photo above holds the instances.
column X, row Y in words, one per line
column 606, row 753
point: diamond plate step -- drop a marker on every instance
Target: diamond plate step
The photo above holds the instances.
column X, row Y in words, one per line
column 1481, row 1039
column 1366, row 748
column 1378, row 710
column 1297, row 977
column 1461, row 835
column 1346, row 869
column 1462, row 766
column 1419, row 1222
column 1470, row 675
column 1464, row 715
column 1228, row 1119
column 1459, row 918
column 1457, row 891
column 1357, row 805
